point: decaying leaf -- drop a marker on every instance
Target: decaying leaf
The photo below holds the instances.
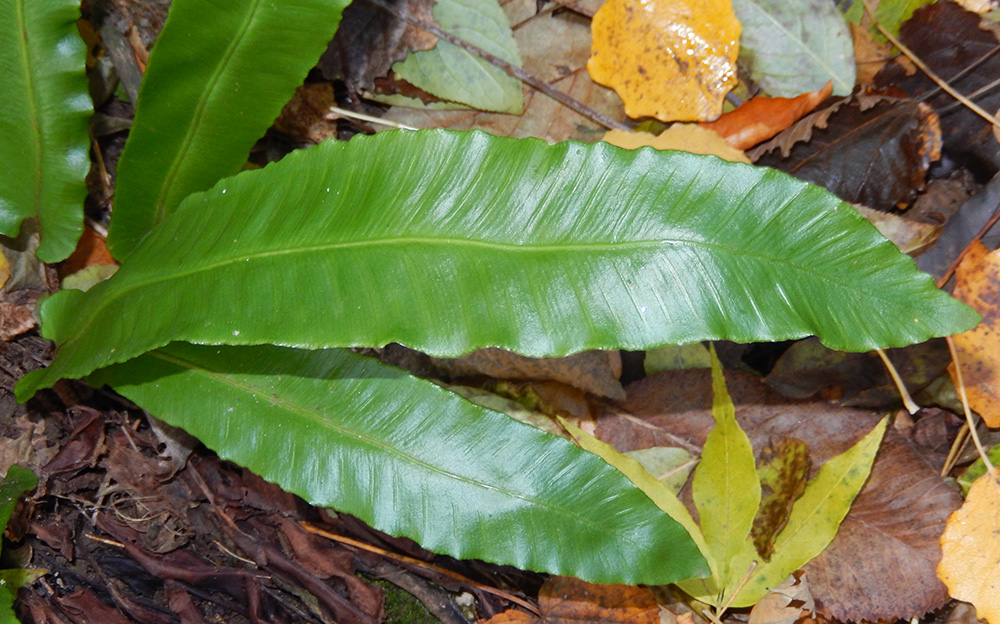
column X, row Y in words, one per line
column 684, row 137
column 970, row 549
column 895, row 521
column 785, row 604
column 911, row 236
column 670, row 59
column 566, row 600
column 978, row 284
column 783, row 468
column 874, row 151
column 950, row 39
column 761, row 118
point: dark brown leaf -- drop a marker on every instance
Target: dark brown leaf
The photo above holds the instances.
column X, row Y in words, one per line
column 881, row 565
column 950, row 39
column 871, row 151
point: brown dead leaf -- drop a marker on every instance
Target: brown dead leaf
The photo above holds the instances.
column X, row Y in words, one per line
column 970, row 549
column 683, row 137
column 305, row 117
column 787, row 603
column 873, row 151
column 567, row 600
column 595, row 372
column 870, row 56
column 977, row 283
column 895, row 521
column 674, row 60
column 761, row 118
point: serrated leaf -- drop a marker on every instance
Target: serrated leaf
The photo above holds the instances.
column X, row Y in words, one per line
column 796, row 47
column 453, row 74
column 44, row 139
column 446, row 241
column 725, row 487
column 815, row 517
column 217, row 78
column 411, row 459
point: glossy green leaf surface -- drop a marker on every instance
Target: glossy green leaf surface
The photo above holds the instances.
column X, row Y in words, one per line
column 725, row 487
column 44, row 140
column 218, row 76
column 447, row 241
column 815, row 517
column 411, row 459
column 451, row 73
column 796, row 47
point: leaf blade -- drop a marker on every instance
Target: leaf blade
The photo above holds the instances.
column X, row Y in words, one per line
column 725, row 487
column 471, row 240
column 206, row 98
column 43, row 125
column 796, row 47
column 372, row 441
column 815, row 517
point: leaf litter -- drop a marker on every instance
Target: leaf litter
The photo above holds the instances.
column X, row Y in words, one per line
column 91, row 444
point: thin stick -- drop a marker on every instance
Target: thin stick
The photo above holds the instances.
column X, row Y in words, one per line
column 336, row 111
column 930, row 73
column 904, row 394
column 968, row 413
column 956, row 449
column 315, row 530
column 516, row 72
column 736, row 592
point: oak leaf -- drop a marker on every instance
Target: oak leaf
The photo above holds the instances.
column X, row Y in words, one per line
column 670, row 59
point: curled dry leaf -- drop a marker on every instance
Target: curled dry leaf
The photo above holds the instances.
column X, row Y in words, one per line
column 978, row 284
column 670, row 59
column 971, row 548
column 761, row 118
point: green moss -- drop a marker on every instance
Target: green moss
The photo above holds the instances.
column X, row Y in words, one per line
column 401, row 607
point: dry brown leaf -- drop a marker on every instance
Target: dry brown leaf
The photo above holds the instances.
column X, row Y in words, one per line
column 970, row 549
column 566, row 600
column 595, row 372
column 761, row 118
column 799, row 132
column 785, row 604
column 674, row 60
column 977, row 283
column 895, row 521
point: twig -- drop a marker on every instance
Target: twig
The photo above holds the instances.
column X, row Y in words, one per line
column 417, row 562
column 512, row 70
column 930, row 73
column 956, row 449
column 904, row 394
column 336, row 111
column 965, row 407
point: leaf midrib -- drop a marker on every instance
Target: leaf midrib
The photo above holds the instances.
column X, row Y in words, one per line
column 33, row 104
column 159, row 205
column 309, row 415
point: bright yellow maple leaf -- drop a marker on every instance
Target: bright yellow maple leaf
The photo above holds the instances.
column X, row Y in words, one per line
column 670, row 59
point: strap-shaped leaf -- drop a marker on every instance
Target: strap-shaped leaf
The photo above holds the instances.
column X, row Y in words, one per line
column 43, row 122
column 217, row 78
column 412, row 459
column 449, row 241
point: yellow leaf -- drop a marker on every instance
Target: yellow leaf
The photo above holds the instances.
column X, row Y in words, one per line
column 683, row 137
column 977, row 283
column 670, row 59
column 970, row 550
